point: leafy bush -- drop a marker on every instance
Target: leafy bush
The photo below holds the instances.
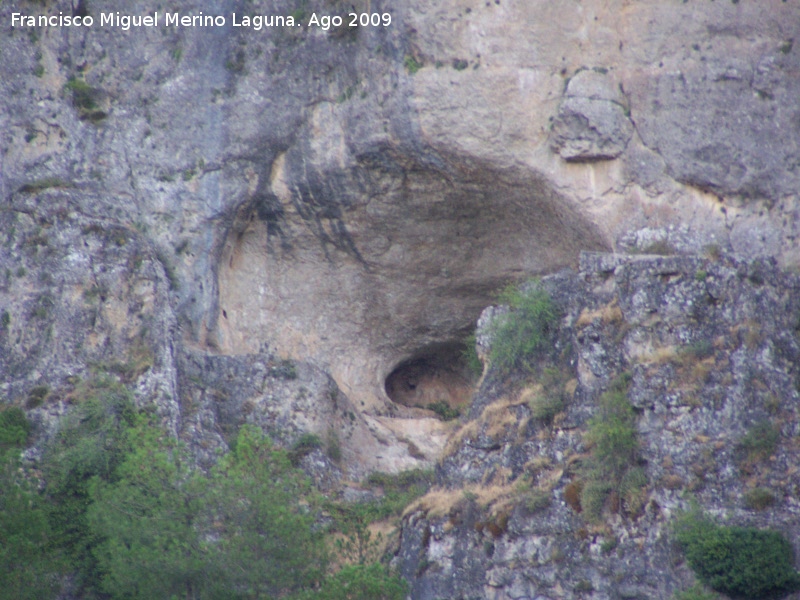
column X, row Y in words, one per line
column 614, row 441
column 444, row 410
column 14, row 428
column 759, row 442
column 305, row 445
column 612, row 432
column 168, row 529
column 537, row 500
column 91, row 443
column 412, row 65
column 37, row 395
column 361, row 582
column 544, row 408
column 523, row 333
column 758, row 499
column 30, row 569
column 334, row 447
column 698, row 350
column 742, row 562
column 399, row 491
column 85, row 99
column 126, row 514
column 553, row 399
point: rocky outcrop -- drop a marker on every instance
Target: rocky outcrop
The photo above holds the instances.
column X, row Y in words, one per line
column 592, row 121
column 711, row 349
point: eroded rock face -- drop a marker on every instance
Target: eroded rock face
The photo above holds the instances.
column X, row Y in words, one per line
column 353, row 196
column 711, row 350
column 592, row 121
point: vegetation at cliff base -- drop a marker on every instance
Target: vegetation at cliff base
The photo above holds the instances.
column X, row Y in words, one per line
column 741, row 562
column 117, row 509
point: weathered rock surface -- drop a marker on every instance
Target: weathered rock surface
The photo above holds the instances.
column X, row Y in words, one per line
column 350, row 199
column 712, row 350
column 592, row 121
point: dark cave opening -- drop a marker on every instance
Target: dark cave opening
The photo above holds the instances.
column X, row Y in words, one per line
column 436, row 375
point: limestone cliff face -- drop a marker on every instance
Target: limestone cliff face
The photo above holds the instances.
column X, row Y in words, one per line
column 711, row 349
column 353, row 198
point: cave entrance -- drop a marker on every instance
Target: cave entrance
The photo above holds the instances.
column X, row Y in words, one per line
column 436, row 377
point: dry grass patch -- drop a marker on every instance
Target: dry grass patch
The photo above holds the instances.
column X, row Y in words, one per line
column 468, row 431
column 440, row 503
column 499, row 476
column 659, row 356
column 495, row 420
column 610, row 313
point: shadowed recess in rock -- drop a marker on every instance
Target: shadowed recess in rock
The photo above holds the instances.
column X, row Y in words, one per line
column 435, row 376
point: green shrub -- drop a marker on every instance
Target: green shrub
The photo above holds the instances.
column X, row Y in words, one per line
column 444, row 410
column 523, row 333
column 594, row 498
column 37, row 395
column 44, row 184
column 613, row 434
column 758, row 498
column 85, row 99
column 165, row 529
column 285, row 369
column 30, row 569
column 741, row 562
column 305, row 445
column 545, row 407
column 399, row 490
column 760, row 442
column 90, row 443
column 537, row 500
column 411, row 64
column 14, row 428
column 553, row 400
column 362, row 582
column 612, row 468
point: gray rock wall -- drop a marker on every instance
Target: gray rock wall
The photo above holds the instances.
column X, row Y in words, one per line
column 712, row 349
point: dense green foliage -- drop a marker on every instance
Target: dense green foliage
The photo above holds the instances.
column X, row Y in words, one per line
column 14, row 428
column 169, row 529
column 742, row 562
column 612, row 473
column 28, row 570
column 359, row 582
column 759, row 442
column 91, row 443
column 399, row 491
column 523, row 333
column 122, row 512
